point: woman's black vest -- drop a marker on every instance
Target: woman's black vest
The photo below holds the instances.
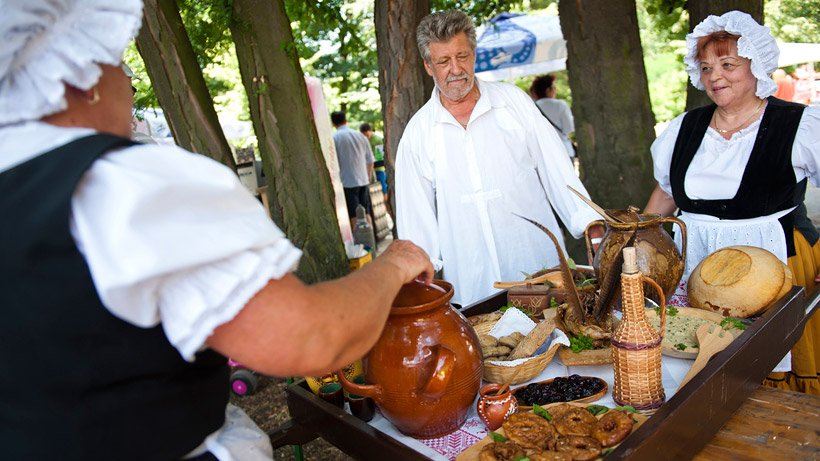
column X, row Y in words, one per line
column 768, row 184
column 78, row 383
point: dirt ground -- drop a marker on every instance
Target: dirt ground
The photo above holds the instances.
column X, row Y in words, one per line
column 268, row 408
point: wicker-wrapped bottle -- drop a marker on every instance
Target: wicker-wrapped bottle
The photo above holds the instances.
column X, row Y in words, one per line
column 636, row 345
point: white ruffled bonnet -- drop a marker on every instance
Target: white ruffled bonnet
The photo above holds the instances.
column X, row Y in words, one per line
column 755, row 43
column 48, row 42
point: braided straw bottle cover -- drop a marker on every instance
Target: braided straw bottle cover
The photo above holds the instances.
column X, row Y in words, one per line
column 636, row 346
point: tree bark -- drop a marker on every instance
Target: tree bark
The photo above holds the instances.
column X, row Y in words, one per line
column 614, row 123
column 402, row 78
column 178, row 82
column 299, row 188
column 698, row 11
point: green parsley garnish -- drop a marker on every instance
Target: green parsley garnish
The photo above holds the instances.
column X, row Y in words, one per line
column 680, row 346
column 522, row 458
column 730, row 323
column 497, row 437
column 510, row 306
column 670, row 311
column 553, row 303
column 580, row 343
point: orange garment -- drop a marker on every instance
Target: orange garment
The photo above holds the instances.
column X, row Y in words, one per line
column 785, row 87
column 806, row 353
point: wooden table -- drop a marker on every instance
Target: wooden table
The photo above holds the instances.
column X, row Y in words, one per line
column 683, row 428
column 770, row 424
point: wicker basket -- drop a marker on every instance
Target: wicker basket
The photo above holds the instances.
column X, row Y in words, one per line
column 529, row 370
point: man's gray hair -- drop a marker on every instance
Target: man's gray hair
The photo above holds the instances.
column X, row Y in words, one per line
column 441, row 27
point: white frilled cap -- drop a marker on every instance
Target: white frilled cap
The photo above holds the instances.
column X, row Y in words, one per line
column 48, row 42
column 755, row 43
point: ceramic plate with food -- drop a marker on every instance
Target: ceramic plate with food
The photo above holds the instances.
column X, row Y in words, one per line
column 578, row 389
column 605, row 428
column 679, row 340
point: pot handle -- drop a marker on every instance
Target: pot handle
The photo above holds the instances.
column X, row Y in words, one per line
column 663, row 304
column 683, row 235
column 373, row 391
column 599, row 222
column 445, row 362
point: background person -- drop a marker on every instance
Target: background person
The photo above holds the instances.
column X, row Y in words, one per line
column 475, row 155
column 377, row 146
column 738, row 168
column 129, row 271
column 355, row 164
column 557, row 112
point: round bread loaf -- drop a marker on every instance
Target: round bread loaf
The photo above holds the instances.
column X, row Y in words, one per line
column 738, row 281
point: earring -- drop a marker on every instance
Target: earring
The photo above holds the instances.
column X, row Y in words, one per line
column 95, row 97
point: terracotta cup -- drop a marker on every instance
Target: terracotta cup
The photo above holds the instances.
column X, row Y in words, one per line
column 360, row 406
column 333, row 393
column 494, row 409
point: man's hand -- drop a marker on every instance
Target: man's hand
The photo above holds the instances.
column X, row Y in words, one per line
column 412, row 262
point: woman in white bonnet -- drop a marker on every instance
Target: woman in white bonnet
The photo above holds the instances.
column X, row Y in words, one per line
column 130, row 272
column 737, row 169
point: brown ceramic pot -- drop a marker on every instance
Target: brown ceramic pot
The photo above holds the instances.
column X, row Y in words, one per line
column 426, row 367
column 658, row 256
column 494, row 409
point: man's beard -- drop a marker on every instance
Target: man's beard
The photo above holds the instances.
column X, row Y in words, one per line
column 456, row 94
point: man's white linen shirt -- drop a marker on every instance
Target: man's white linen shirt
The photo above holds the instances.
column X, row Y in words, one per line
column 458, row 191
column 169, row 237
column 354, row 153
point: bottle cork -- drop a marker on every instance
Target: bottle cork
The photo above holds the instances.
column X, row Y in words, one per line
column 630, row 265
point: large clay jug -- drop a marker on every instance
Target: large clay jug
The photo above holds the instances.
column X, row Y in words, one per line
column 658, row 256
column 425, row 370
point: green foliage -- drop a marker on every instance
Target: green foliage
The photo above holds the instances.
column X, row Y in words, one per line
column 480, row 11
column 207, row 26
column 794, row 20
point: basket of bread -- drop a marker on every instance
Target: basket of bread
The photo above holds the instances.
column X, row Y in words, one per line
column 515, row 346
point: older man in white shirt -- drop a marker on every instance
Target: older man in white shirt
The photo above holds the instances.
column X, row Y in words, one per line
column 473, row 157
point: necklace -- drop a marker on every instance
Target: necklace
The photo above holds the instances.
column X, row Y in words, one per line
column 714, row 119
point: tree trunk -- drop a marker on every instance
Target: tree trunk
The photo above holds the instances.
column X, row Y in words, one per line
column 614, row 123
column 178, row 82
column 402, row 77
column 299, row 188
column 698, row 11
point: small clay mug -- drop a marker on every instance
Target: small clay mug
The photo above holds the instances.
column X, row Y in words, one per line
column 360, row 406
column 333, row 393
column 494, row 409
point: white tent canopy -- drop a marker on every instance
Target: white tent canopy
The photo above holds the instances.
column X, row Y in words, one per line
column 512, row 45
column 798, row 53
